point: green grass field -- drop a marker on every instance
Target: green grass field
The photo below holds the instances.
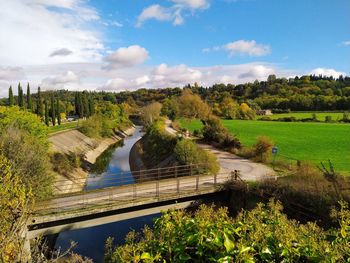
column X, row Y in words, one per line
column 321, row 116
column 314, row 142
column 62, row 127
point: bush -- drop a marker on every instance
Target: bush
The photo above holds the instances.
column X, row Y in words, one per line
column 188, row 152
column 264, row 234
column 64, row 164
column 328, row 118
column 262, row 148
column 214, row 131
column 30, row 160
column 197, row 133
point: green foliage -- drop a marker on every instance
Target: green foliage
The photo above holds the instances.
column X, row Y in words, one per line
column 65, row 163
column 191, row 106
column 15, row 201
column 157, row 143
column 150, row 113
column 188, row 152
column 11, row 99
column 30, row 159
column 29, row 122
column 29, row 99
column 214, row 131
column 264, row 234
column 108, row 118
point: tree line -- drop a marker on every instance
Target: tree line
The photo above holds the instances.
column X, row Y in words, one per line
column 51, row 106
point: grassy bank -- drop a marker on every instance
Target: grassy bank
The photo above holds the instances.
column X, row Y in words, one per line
column 63, row 127
column 314, row 142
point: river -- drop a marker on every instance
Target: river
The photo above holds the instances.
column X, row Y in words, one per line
column 91, row 241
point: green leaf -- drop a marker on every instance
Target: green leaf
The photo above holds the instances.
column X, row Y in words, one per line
column 145, row 255
column 229, row 242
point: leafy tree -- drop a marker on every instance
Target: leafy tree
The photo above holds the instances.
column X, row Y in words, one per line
column 91, row 106
column 29, row 99
column 229, row 108
column 150, row 113
column 13, row 116
column 30, row 159
column 11, row 99
column 191, row 106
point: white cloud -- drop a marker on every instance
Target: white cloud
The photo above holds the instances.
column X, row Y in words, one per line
column 156, row 12
column 33, row 29
column 173, row 13
column 11, row 73
column 165, row 76
column 346, row 43
column 194, row 4
column 126, row 57
column 242, row 47
column 60, row 81
column 327, row 72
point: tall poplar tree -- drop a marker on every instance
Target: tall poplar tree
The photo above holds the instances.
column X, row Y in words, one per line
column 39, row 105
column 80, row 105
column 11, row 99
column 29, row 99
column 86, row 105
column 58, row 112
column 53, row 110
column 76, row 103
column 47, row 122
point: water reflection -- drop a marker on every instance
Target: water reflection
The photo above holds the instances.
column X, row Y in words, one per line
column 111, row 164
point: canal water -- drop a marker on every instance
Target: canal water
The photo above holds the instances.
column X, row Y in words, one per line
column 110, row 165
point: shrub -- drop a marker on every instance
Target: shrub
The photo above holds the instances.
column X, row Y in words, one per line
column 214, row 131
column 328, row 118
column 263, row 148
column 92, row 127
column 30, row 160
column 264, row 234
column 188, row 152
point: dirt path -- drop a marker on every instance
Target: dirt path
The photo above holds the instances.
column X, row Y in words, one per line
column 249, row 170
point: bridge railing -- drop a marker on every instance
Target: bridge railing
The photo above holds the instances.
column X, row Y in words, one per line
column 160, row 184
column 72, row 185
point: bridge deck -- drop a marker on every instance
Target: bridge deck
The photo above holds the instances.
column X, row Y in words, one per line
column 102, row 200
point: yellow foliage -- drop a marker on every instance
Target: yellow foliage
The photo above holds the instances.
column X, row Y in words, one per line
column 244, row 107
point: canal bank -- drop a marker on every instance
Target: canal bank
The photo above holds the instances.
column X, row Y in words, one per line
column 74, row 141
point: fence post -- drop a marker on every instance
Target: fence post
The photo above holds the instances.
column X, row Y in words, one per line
column 157, row 185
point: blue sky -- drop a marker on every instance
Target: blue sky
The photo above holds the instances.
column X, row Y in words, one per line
column 123, row 45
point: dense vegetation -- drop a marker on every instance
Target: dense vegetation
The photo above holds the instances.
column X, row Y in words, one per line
column 159, row 146
column 264, row 234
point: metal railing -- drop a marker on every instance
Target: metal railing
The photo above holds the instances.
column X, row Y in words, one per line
column 128, row 188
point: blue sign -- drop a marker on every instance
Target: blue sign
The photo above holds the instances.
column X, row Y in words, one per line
column 274, row 150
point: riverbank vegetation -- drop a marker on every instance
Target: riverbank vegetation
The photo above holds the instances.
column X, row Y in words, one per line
column 160, row 147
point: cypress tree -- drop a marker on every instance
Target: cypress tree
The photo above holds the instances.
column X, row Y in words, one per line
column 81, row 106
column 47, row 122
column 29, row 99
column 11, row 99
column 58, row 113
column 53, row 115
column 86, row 105
column 76, row 103
column 39, row 104
column 91, row 107
column 20, row 95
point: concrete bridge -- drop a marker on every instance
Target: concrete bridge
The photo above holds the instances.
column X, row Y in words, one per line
column 146, row 192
